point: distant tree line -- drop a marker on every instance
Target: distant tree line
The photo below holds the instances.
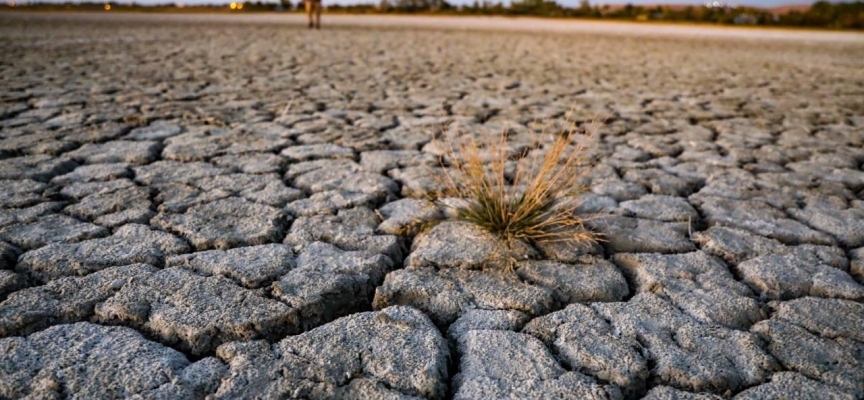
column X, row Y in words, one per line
column 822, row 14
column 282, row 5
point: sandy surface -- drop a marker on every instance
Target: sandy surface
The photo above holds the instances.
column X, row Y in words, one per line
column 521, row 24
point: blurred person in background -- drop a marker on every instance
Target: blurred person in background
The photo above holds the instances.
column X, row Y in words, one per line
column 314, row 7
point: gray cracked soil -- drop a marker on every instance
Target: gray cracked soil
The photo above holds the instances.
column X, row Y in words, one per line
column 195, row 206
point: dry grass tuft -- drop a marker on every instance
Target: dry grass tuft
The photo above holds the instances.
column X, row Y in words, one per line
column 522, row 204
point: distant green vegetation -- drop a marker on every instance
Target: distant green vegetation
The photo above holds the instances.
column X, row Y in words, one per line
column 822, row 14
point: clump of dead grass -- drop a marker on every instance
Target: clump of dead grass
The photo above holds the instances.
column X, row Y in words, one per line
column 533, row 203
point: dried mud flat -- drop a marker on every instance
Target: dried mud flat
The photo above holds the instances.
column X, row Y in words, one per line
column 192, row 207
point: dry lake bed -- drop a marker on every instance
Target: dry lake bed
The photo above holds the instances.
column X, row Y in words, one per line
column 225, row 206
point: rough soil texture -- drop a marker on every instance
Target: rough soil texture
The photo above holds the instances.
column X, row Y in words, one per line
column 194, row 207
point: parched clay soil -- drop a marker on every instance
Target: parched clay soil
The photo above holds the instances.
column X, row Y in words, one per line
column 228, row 206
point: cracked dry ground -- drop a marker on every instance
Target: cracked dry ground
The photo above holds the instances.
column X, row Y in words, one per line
column 202, row 210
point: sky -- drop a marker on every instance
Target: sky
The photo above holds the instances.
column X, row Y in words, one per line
column 571, row 3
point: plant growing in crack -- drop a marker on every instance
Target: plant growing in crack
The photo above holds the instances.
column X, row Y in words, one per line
column 522, row 197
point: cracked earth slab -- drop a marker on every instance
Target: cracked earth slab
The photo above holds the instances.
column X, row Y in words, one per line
column 392, row 353
column 89, row 360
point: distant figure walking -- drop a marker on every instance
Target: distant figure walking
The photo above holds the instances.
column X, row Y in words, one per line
column 314, row 7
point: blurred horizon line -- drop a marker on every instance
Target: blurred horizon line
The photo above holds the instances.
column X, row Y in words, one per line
column 765, row 4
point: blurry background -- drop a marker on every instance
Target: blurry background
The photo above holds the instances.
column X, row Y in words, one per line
column 790, row 13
